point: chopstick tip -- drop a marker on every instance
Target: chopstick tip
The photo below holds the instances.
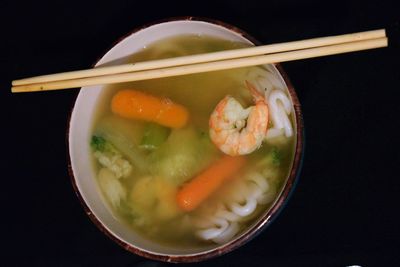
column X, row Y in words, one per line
column 18, row 89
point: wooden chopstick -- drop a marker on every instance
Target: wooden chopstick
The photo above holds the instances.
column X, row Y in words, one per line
column 216, row 56
column 175, row 70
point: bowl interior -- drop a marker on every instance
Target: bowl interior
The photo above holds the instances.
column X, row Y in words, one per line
column 81, row 124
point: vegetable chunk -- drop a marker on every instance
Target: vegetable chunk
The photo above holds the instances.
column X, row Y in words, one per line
column 109, row 157
column 154, row 199
column 124, row 137
column 134, row 104
column 201, row 187
column 111, row 187
column 183, row 155
column 154, row 136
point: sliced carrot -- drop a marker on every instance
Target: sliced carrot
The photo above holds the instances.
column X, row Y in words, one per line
column 192, row 194
column 134, row 104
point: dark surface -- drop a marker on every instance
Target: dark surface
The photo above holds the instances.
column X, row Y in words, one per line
column 345, row 208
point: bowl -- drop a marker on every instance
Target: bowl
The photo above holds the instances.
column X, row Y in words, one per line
column 79, row 134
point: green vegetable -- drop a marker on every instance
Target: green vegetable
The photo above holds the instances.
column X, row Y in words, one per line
column 273, row 158
column 270, row 164
column 185, row 153
column 125, row 136
column 98, row 143
column 276, row 156
column 154, row 136
column 109, row 157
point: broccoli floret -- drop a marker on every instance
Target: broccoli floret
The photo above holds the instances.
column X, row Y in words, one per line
column 109, row 157
column 98, row 143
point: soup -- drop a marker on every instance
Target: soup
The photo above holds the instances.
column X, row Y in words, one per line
column 193, row 160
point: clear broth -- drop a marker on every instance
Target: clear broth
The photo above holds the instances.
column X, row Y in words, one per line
column 199, row 93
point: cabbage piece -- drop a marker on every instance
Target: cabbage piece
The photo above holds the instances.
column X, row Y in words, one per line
column 109, row 157
column 125, row 136
column 115, row 163
column 185, row 153
column 111, row 187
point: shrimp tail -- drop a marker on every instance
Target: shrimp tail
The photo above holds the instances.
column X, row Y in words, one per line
column 254, row 92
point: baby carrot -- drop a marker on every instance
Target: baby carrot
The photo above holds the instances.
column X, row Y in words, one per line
column 134, row 104
column 192, row 194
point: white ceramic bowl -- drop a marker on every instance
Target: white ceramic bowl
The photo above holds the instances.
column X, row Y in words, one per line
column 81, row 169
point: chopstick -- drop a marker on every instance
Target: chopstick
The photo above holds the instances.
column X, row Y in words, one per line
column 282, row 52
column 216, row 56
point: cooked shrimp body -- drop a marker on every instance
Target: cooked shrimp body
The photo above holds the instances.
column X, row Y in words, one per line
column 236, row 130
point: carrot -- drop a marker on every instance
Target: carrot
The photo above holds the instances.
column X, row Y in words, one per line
column 192, row 194
column 134, row 104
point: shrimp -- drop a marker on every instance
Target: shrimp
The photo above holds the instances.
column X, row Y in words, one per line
column 238, row 131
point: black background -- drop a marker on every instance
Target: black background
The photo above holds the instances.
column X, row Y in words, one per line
column 345, row 208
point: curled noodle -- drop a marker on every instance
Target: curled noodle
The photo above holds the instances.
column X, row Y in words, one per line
column 267, row 80
column 224, row 223
column 219, row 225
column 260, row 81
column 280, row 109
column 228, row 234
column 274, row 78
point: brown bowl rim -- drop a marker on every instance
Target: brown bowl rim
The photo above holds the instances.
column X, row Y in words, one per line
column 263, row 222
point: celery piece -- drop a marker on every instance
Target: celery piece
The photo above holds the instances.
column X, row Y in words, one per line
column 154, row 136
